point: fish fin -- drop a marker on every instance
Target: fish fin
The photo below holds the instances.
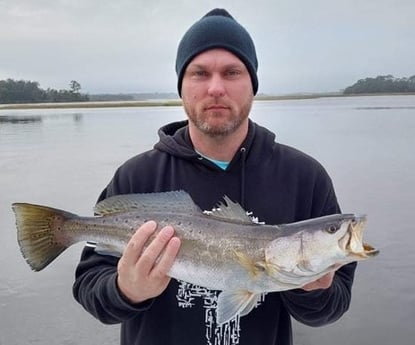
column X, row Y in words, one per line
column 108, row 249
column 253, row 267
column 231, row 211
column 233, row 303
column 271, row 269
column 37, row 228
column 253, row 302
column 174, row 202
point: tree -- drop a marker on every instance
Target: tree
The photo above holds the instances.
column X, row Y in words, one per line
column 21, row 91
column 75, row 87
column 382, row 84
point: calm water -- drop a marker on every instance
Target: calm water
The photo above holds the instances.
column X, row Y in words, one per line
column 65, row 157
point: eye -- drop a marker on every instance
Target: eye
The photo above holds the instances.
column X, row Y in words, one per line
column 196, row 73
column 199, row 73
column 332, row 228
column 232, row 73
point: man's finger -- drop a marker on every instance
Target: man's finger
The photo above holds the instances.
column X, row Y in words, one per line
column 137, row 242
column 167, row 258
column 322, row 283
column 155, row 248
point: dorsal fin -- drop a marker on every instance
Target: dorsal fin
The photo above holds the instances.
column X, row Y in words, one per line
column 230, row 211
column 171, row 202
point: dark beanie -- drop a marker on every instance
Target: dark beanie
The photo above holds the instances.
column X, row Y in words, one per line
column 217, row 29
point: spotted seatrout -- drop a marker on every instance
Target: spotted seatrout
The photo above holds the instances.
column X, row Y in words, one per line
column 223, row 249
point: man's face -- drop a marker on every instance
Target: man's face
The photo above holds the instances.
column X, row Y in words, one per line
column 217, row 92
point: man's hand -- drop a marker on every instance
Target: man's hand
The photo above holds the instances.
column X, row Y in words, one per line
column 142, row 270
column 322, row 283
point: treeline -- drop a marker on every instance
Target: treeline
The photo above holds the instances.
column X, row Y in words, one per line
column 145, row 96
column 382, row 84
column 109, row 97
column 21, row 91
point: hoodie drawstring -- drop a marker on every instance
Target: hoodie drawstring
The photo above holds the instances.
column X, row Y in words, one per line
column 243, row 154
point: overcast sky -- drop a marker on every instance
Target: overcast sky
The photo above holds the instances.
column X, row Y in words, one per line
column 130, row 45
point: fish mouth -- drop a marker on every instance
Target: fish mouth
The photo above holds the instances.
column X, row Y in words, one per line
column 354, row 240
column 369, row 250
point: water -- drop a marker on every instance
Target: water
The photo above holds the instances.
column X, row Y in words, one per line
column 65, row 157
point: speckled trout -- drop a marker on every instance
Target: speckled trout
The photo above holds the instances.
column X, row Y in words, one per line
column 224, row 249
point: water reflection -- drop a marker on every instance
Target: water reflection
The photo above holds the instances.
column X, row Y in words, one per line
column 24, row 119
column 385, row 108
column 20, row 119
column 77, row 117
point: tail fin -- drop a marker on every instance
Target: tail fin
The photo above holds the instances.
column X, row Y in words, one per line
column 38, row 233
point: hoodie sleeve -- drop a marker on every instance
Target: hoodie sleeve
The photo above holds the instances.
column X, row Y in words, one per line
column 95, row 288
column 324, row 306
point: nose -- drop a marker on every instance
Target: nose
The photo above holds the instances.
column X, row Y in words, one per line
column 216, row 86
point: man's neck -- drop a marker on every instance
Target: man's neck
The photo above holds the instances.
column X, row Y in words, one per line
column 221, row 148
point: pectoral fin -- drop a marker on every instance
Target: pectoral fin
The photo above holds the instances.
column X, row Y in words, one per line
column 255, row 268
column 233, row 303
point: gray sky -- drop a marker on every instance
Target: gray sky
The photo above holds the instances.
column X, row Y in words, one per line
column 130, row 45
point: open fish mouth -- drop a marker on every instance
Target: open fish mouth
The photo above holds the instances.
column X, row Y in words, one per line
column 369, row 250
column 355, row 245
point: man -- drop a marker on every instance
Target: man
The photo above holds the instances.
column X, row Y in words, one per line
column 218, row 151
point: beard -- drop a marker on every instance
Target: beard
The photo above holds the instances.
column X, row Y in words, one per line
column 217, row 130
column 217, row 124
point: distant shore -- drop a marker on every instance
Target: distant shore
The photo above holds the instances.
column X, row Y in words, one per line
column 171, row 102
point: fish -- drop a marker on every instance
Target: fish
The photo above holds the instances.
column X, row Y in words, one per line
column 225, row 249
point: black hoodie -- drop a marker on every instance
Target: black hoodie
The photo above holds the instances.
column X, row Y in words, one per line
column 277, row 183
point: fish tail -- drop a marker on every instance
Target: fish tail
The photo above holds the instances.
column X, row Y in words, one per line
column 38, row 234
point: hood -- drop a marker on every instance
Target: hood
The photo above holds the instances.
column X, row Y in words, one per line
column 256, row 149
column 174, row 139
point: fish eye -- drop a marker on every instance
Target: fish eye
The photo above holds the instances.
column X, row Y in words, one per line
column 332, row 228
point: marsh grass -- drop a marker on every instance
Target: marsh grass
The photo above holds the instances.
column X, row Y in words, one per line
column 172, row 102
column 112, row 104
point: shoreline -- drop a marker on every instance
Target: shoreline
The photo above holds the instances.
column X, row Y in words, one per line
column 176, row 102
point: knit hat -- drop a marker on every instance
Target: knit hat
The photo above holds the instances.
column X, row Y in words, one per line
column 217, row 29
